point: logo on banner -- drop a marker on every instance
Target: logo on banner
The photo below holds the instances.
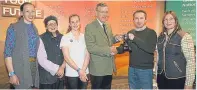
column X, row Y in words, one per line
column 11, row 8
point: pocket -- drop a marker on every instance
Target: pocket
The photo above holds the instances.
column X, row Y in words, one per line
column 174, row 44
column 160, row 41
column 160, row 44
column 177, row 66
column 174, row 48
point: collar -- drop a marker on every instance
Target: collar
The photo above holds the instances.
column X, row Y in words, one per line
column 22, row 21
column 72, row 35
column 140, row 29
column 51, row 35
column 100, row 22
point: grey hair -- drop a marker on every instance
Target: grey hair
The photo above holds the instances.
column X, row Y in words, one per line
column 100, row 5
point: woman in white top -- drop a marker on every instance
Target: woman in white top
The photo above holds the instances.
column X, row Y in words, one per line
column 76, row 55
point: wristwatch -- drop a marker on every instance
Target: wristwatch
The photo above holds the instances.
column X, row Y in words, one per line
column 78, row 70
column 11, row 73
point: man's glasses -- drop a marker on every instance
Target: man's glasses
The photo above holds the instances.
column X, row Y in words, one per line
column 103, row 12
column 52, row 25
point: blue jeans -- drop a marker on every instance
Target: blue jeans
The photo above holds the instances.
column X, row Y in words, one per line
column 140, row 78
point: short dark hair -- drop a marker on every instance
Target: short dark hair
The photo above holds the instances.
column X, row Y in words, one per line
column 22, row 7
column 51, row 17
column 140, row 11
column 25, row 3
column 100, row 5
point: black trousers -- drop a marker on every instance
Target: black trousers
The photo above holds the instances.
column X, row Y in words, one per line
column 75, row 83
column 165, row 83
column 57, row 85
column 101, row 82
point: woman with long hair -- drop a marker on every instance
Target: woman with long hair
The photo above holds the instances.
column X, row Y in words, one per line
column 176, row 65
column 76, row 55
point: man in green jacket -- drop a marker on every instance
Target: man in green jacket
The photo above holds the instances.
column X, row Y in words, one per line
column 99, row 40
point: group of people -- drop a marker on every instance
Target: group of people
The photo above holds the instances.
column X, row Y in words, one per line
column 35, row 61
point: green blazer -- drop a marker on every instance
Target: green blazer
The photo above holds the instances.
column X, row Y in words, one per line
column 98, row 45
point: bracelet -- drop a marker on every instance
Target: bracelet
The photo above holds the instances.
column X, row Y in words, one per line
column 11, row 73
column 78, row 70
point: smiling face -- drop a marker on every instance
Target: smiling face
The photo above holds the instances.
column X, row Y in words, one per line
column 139, row 19
column 28, row 13
column 169, row 22
column 102, row 13
column 74, row 23
column 52, row 26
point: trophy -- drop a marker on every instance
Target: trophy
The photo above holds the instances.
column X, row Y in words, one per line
column 125, row 45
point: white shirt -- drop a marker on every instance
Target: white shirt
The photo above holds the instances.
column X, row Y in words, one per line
column 100, row 23
column 141, row 29
column 77, row 52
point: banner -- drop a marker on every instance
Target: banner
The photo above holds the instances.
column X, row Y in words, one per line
column 120, row 18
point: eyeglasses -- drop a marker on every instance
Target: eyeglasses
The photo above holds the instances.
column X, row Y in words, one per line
column 103, row 12
column 169, row 20
column 52, row 25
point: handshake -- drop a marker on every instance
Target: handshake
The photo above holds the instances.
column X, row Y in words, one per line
column 121, row 37
column 124, row 46
column 124, row 37
column 118, row 38
column 113, row 50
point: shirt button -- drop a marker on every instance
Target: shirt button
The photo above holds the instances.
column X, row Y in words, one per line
column 58, row 55
column 57, row 45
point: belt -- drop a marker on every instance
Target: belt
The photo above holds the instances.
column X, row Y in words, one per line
column 32, row 59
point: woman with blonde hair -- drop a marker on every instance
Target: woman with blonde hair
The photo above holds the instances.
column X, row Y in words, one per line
column 76, row 55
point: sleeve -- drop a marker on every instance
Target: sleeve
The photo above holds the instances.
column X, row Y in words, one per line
column 92, row 47
column 9, row 42
column 44, row 62
column 187, row 46
column 120, row 49
column 64, row 42
column 149, row 45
